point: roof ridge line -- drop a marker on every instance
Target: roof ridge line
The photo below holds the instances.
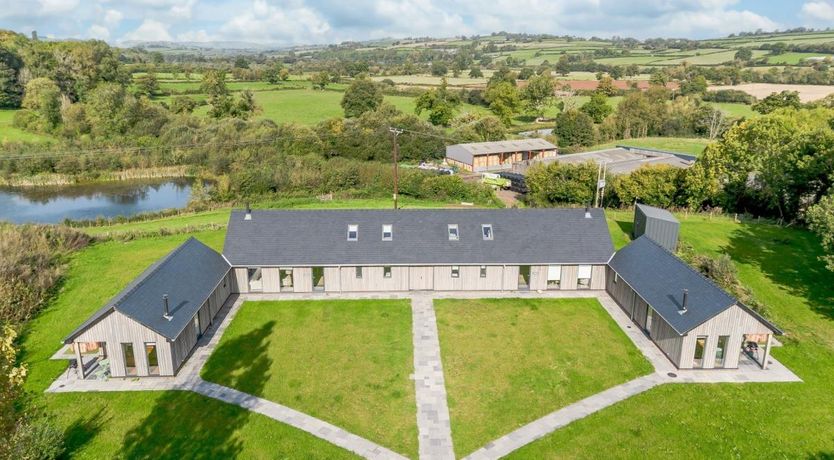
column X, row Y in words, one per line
column 692, row 269
column 152, row 269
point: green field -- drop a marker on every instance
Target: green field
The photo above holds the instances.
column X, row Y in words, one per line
column 508, row 362
column 344, row 361
column 9, row 133
column 794, row 58
column 691, row 146
column 735, row 109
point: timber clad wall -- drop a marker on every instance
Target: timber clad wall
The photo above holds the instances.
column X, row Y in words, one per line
column 416, row 278
column 680, row 349
column 734, row 322
column 117, row 329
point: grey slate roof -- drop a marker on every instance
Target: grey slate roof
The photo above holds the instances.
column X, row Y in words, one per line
column 319, row 237
column 659, row 277
column 188, row 274
column 656, row 213
column 465, row 152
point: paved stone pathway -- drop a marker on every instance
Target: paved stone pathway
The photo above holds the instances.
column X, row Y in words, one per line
column 433, row 423
column 555, row 420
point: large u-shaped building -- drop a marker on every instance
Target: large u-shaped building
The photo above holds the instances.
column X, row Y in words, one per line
column 151, row 327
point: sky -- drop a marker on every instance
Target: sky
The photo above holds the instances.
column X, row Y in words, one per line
column 296, row 22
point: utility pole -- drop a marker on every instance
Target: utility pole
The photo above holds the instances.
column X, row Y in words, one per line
column 396, row 153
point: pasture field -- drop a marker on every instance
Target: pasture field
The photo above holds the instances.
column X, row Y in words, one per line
column 794, row 58
column 9, row 133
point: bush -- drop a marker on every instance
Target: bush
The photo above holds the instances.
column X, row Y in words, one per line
column 561, row 183
column 728, row 95
column 652, row 185
column 574, row 128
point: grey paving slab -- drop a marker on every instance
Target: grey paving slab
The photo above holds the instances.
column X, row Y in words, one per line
column 433, row 423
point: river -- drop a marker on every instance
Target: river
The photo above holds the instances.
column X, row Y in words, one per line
column 53, row 204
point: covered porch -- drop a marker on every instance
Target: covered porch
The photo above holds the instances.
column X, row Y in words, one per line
column 85, row 360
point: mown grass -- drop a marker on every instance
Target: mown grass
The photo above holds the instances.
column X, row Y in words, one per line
column 344, row 361
column 508, row 362
column 693, row 146
column 221, row 216
column 143, row 424
column 794, row 420
column 9, row 133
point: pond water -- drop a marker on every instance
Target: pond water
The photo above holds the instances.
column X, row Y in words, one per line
column 54, row 204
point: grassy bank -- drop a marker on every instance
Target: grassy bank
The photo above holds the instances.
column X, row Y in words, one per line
column 692, row 146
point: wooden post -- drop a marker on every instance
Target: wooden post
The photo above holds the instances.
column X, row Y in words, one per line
column 767, row 351
column 80, row 364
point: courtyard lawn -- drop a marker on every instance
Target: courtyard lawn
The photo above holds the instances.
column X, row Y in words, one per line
column 344, row 361
column 508, row 362
column 171, row 424
column 777, row 420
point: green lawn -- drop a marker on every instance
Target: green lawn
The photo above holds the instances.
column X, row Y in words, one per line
column 794, row 420
column 9, row 133
column 692, row 146
column 508, row 362
column 344, row 361
column 221, row 216
column 170, row 424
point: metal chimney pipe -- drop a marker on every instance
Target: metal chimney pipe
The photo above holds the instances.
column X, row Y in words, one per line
column 587, row 212
column 248, row 215
column 685, row 300
column 167, row 314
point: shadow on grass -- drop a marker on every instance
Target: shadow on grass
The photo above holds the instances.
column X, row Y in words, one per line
column 82, row 431
column 626, row 226
column 788, row 258
column 188, row 425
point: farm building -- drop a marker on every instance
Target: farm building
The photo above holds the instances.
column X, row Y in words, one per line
column 498, row 155
column 658, row 224
column 621, row 159
column 693, row 321
column 444, row 250
column 151, row 327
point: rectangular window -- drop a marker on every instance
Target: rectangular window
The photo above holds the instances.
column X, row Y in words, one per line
column 649, row 320
column 700, row 347
column 486, row 229
column 195, row 323
column 353, row 233
column 721, row 350
column 153, row 360
column 554, row 276
column 483, row 271
column 358, row 273
column 583, row 276
column 455, row 271
column 387, row 232
column 255, row 279
column 616, row 278
column 386, row 272
column 453, row 232
column 130, row 359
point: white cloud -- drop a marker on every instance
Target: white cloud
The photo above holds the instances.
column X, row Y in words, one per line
column 818, row 11
column 113, row 17
column 293, row 22
column 57, row 6
column 183, row 9
column 98, row 32
column 149, row 30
